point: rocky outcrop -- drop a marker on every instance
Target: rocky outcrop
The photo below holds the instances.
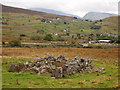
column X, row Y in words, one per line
column 58, row 67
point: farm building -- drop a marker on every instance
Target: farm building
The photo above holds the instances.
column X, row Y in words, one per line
column 100, row 41
column 93, row 41
column 104, row 41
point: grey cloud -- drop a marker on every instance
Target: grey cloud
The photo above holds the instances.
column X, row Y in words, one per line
column 78, row 7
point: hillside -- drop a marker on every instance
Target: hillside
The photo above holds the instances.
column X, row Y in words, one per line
column 29, row 12
column 17, row 21
column 97, row 15
column 33, row 25
column 109, row 25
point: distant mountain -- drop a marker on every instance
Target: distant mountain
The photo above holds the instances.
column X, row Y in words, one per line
column 97, row 15
column 51, row 11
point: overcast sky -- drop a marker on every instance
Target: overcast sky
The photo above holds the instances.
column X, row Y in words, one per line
column 76, row 7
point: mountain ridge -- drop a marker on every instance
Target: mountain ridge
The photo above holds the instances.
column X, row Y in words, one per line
column 97, row 15
column 51, row 11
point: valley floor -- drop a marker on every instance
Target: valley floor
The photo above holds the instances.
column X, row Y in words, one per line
column 107, row 58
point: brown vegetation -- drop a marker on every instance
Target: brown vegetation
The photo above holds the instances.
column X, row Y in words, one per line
column 106, row 55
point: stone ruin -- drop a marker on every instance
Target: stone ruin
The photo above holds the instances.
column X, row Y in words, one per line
column 58, row 67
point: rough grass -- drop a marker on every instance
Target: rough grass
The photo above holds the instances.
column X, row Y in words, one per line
column 101, row 58
column 27, row 24
column 17, row 20
column 109, row 25
column 107, row 55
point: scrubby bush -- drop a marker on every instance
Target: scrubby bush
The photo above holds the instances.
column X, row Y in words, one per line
column 82, row 31
column 15, row 43
column 98, row 35
column 75, row 17
column 59, row 38
column 65, row 22
column 68, row 34
column 36, row 37
column 22, row 35
column 116, row 39
column 86, row 20
column 40, row 31
column 3, row 43
column 43, row 20
column 95, row 27
column 78, row 34
column 48, row 37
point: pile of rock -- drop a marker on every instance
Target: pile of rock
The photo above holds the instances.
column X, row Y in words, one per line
column 58, row 66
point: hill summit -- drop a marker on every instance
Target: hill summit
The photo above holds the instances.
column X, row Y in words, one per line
column 97, row 15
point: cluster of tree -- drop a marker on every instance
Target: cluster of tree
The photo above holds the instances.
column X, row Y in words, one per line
column 98, row 21
column 48, row 37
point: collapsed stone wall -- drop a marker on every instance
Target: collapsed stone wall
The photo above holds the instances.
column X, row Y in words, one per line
column 58, row 67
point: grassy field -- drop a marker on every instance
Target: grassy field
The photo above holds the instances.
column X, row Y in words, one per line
column 107, row 58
